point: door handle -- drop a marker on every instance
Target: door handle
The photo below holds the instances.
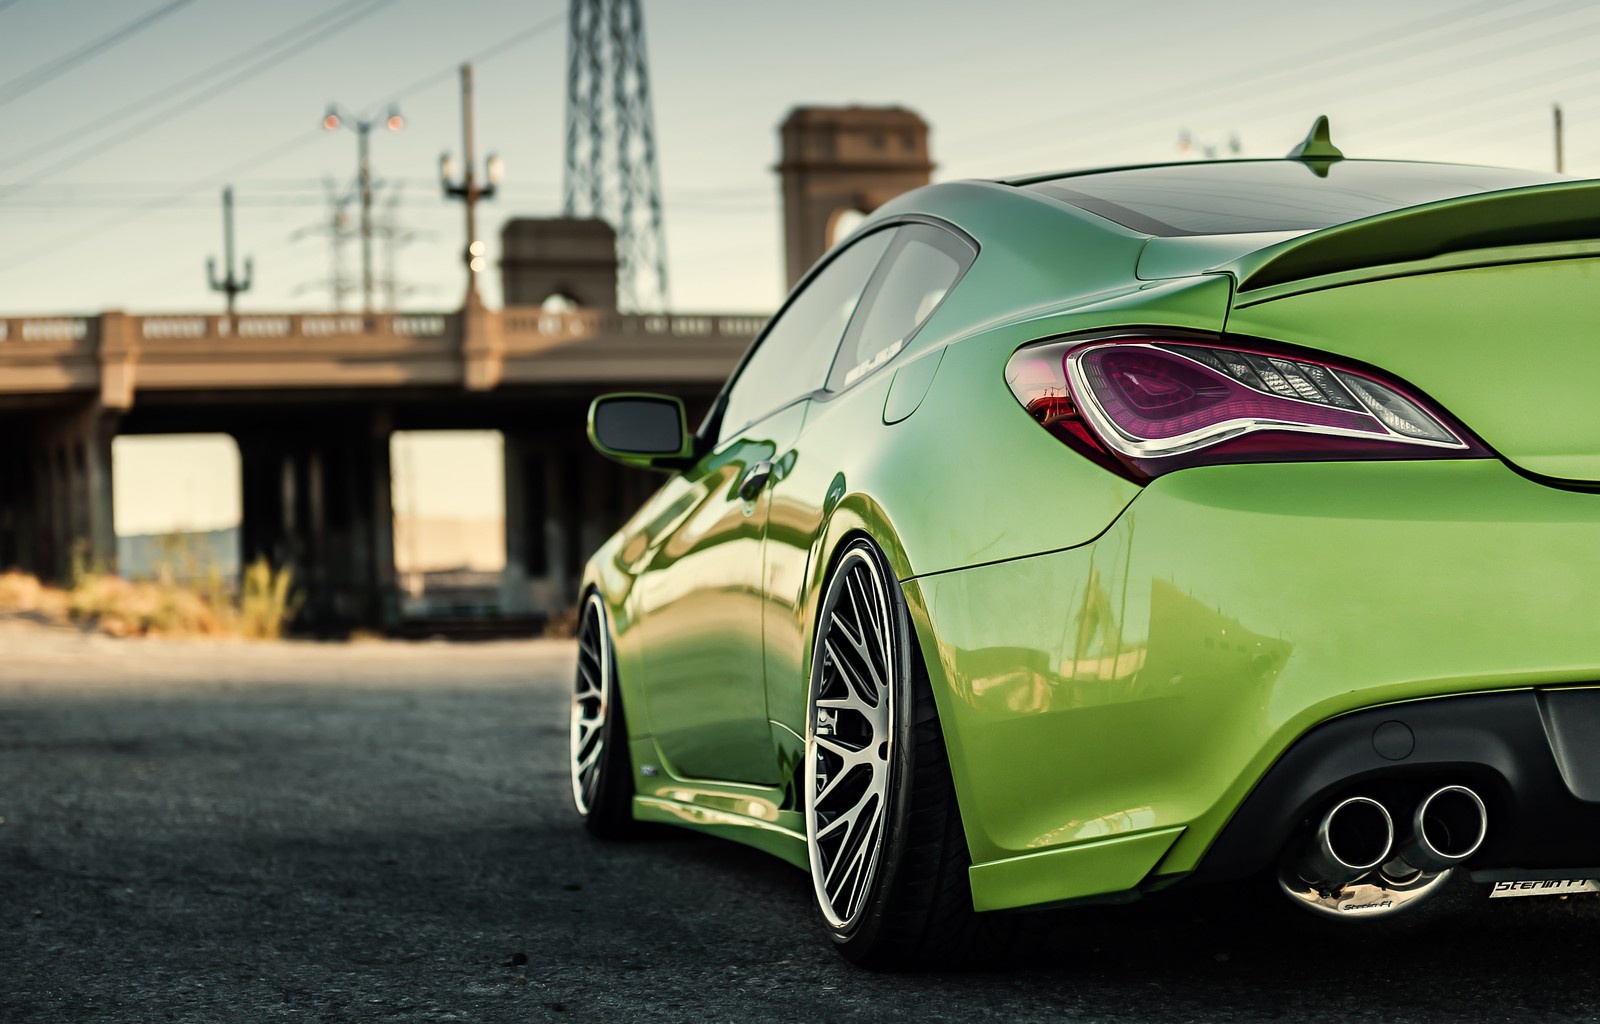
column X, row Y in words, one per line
column 755, row 478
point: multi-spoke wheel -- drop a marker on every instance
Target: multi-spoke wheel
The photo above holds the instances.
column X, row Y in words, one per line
column 888, row 857
column 850, row 739
column 602, row 787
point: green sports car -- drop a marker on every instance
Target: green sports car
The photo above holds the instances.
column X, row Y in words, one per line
column 1077, row 537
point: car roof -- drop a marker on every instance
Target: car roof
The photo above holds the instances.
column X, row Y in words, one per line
column 1239, row 162
column 1226, row 197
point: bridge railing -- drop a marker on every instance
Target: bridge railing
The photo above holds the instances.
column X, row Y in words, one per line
column 55, row 329
column 588, row 323
column 291, row 325
column 120, row 354
column 517, row 321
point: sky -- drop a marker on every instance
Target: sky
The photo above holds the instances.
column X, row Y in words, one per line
column 112, row 162
column 110, row 172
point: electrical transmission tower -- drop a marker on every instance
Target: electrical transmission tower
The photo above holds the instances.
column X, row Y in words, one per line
column 611, row 143
column 339, row 284
column 394, row 236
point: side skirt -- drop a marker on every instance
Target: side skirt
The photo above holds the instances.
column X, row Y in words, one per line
column 779, row 838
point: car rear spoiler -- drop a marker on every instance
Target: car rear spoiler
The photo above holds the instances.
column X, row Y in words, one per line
column 1562, row 212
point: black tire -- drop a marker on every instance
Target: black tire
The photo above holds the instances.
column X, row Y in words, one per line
column 603, row 798
column 914, row 910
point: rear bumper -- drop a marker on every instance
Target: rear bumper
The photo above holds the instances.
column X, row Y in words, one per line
column 1147, row 682
column 1520, row 751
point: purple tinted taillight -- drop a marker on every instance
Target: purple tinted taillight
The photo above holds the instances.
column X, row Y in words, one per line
column 1146, row 406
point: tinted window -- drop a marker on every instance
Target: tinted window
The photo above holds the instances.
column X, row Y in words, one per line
column 1272, row 195
column 792, row 358
column 922, row 266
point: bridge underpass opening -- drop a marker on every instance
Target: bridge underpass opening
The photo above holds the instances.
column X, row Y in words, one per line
column 177, row 506
column 449, row 500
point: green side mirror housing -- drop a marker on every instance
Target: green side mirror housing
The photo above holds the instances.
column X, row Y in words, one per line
column 641, row 430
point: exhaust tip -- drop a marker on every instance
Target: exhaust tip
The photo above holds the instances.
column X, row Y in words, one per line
column 1357, row 834
column 1346, row 871
column 1451, row 823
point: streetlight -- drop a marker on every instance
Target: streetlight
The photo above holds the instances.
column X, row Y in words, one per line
column 334, row 119
column 468, row 190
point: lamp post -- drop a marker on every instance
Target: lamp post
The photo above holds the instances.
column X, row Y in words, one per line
column 332, row 121
column 468, row 190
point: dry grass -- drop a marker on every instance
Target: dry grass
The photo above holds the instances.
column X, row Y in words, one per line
column 263, row 606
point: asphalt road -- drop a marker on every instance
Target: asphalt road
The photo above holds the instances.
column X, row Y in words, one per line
column 381, row 832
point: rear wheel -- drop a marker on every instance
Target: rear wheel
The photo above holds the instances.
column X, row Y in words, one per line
column 888, row 857
column 602, row 782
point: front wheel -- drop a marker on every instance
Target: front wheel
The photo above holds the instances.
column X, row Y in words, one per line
column 602, row 782
column 888, row 858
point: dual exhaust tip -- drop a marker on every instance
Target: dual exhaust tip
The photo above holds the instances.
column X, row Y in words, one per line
column 1356, row 841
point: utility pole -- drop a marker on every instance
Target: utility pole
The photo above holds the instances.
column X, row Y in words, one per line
column 468, row 190
column 231, row 285
column 363, row 129
column 1559, row 161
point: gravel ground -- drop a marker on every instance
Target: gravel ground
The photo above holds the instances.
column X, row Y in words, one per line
column 207, row 832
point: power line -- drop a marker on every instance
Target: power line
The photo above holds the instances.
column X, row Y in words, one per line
column 186, row 104
column 7, row 3
column 1498, row 51
column 1464, row 106
column 28, row 81
column 1370, row 84
column 265, row 156
column 537, row 28
column 290, row 36
column 1250, row 78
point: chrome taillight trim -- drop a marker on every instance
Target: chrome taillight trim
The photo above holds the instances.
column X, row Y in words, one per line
column 1139, row 448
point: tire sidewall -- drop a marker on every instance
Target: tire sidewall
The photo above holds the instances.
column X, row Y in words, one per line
column 610, row 813
column 863, row 931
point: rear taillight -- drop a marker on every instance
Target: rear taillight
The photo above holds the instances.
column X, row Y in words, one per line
column 1147, row 406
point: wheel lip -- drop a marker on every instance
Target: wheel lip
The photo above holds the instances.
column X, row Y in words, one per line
column 592, row 603
column 844, row 926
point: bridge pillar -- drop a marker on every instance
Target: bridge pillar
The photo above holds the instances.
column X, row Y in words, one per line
column 562, row 501
column 56, row 481
column 317, row 500
column 542, row 565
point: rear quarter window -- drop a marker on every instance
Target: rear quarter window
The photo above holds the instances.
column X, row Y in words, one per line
column 922, row 266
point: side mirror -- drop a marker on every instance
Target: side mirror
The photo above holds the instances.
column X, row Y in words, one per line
column 641, row 430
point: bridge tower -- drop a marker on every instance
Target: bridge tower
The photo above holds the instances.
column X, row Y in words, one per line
column 611, row 171
column 839, row 160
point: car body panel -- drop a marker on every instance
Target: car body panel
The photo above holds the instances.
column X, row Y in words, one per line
column 897, row 492
column 1450, row 331
column 1148, row 679
column 1108, row 869
column 1188, row 255
column 700, row 612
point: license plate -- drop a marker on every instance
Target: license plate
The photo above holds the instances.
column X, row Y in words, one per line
column 1547, row 887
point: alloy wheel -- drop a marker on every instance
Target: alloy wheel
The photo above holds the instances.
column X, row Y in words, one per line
column 849, row 738
column 590, row 704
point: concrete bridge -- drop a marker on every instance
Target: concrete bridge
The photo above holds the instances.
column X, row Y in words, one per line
column 312, row 400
